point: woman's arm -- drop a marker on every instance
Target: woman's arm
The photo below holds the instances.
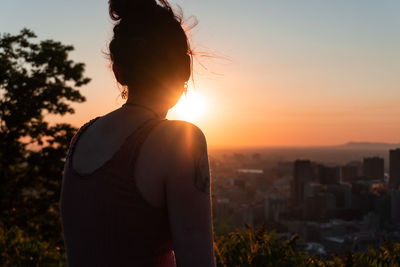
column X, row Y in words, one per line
column 188, row 197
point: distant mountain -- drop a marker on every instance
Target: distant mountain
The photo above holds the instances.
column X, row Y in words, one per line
column 335, row 155
column 368, row 145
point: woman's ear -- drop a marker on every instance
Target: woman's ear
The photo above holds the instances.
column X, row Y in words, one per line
column 117, row 74
column 187, row 67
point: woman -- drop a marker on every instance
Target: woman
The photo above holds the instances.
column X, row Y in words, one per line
column 136, row 187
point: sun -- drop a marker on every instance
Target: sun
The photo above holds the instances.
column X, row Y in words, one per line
column 190, row 107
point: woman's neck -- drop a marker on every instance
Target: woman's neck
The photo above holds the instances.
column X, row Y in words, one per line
column 151, row 105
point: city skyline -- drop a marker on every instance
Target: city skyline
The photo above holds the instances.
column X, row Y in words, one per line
column 338, row 208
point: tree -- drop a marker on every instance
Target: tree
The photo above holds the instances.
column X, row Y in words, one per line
column 36, row 79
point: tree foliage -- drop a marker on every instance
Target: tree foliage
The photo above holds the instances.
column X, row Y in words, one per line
column 257, row 247
column 261, row 248
column 18, row 249
column 36, row 79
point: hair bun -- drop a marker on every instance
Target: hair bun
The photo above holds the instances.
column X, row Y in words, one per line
column 148, row 44
column 128, row 9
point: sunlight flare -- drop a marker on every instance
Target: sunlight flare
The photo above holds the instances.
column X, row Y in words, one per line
column 190, row 107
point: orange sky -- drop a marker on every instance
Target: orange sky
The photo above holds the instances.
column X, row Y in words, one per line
column 299, row 72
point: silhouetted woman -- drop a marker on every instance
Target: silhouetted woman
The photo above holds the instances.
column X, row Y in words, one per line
column 136, row 187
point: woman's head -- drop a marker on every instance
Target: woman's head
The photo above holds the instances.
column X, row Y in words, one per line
column 149, row 51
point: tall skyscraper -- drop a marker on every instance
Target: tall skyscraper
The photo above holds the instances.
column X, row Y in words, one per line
column 394, row 168
column 373, row 168
column 303, row 172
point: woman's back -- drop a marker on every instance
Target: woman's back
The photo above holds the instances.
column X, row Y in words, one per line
column 136, row 192
column 106, row 220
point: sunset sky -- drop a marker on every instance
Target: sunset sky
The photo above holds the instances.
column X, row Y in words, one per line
column 284, row 73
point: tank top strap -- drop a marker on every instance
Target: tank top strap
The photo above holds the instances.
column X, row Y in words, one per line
column 139, row 137
column 75, row 138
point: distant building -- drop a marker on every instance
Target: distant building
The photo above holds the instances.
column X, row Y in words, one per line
column 274, row 206
column 240, row 183
column 362, row 199
column 303, row 172
column 394, row 172
column 318, row 207
column 221, row 208
column 373, row 168
column 395, row 199
column 343, row 194
column 328, row 175
column 349, row 173
column 311, row 189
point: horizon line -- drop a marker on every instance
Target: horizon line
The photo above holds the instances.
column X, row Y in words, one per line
column 350, row 143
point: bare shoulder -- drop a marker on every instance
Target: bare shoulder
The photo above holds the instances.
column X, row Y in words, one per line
column 186, row 148
column 188, row 194
column 182, row 134
column 177, row 126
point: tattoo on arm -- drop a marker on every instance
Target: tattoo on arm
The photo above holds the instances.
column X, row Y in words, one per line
column 202, row 172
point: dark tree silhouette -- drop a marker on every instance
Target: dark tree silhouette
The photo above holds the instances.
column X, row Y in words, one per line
column 36, row 79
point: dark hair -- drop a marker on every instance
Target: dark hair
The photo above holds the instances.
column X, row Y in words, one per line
column 149, row 42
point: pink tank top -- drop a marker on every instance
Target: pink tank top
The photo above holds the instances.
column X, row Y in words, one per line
column 105, row 219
